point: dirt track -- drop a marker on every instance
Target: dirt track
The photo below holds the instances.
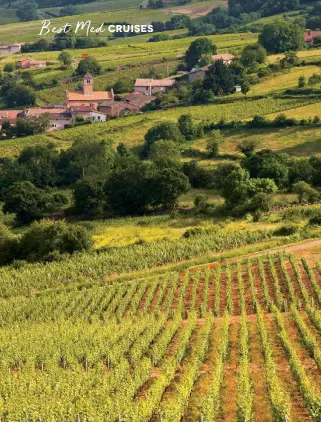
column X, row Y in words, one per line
column 308, row 248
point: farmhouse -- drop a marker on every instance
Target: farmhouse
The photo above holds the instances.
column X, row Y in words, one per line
column 7, row 49
column 310, row 36
column 138, row 99
column 88, row 96
column 199, row 73
column 9, row 116
column 152, row 86
column 195, row 74
column 27, row 63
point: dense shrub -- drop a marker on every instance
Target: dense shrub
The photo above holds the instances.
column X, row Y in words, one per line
column 286, row 230
column 48, row 239
column 316, row 220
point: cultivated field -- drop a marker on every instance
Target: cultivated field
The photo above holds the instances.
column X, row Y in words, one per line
column 225, row 342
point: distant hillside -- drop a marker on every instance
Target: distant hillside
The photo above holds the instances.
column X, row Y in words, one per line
column 44, row 3
column 266, row 7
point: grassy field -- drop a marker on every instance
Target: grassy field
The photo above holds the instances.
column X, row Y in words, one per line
column 298, row 141
column 308, row 56
column 280, row 82
column 7, row 16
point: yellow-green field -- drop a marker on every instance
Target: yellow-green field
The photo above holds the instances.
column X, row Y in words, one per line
column 99, row 12
column 279, row 82
column 296, row 141
column 307, row 55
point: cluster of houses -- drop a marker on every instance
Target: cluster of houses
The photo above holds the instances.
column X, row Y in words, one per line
column 98, row 106
column 95, row 106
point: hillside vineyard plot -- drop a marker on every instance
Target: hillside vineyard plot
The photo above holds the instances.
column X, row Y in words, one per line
column 229, row 342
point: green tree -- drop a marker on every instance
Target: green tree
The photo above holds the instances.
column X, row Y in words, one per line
column 69, row 10
column 65, row 40
column 128, row 187
column 279, row 36
column 314, row 79
column 27, row 10
column 306, row 193
column 167, row 186
column 86, row 159
column 219, row 79
column 196, row 49
column 123, row 150
column 123, row 85
column 65, row 58
column 46, row 240
column 245, row 88
column 187, row 127
column 40, row 161
column 20, row 95
column 8, row 245
column 26, row 201
column 165, row 154
column 252, row 55
column 302, row 82
column 290, row 60
column 88, row 65
column 213, row 144
column 268, row 164
column 248, row 146
column 9, row 67
column 243, row 194
column 89, row 197
column 162, row 131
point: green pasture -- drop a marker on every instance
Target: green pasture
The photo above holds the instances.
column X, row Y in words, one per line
column 281, row 81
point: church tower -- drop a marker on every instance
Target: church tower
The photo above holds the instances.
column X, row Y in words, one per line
column 88, row 84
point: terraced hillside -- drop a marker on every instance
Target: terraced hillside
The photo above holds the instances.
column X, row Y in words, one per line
column 221, row 342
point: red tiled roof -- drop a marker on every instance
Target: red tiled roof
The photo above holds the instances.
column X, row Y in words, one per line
column 309, row 36
column 33, row 112
column 95, row 96
column 10, row 115
column 155, row 82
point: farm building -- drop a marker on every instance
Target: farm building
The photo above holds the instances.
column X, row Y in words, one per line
column 138, row 99
column 116, row 108
column 88, row 112
column 152, row 86
column 8, row 49
column 199, row 73
column 88, row 96
column 195, row 74
column 27, row 63
column 310, row 36
column 9, row 116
